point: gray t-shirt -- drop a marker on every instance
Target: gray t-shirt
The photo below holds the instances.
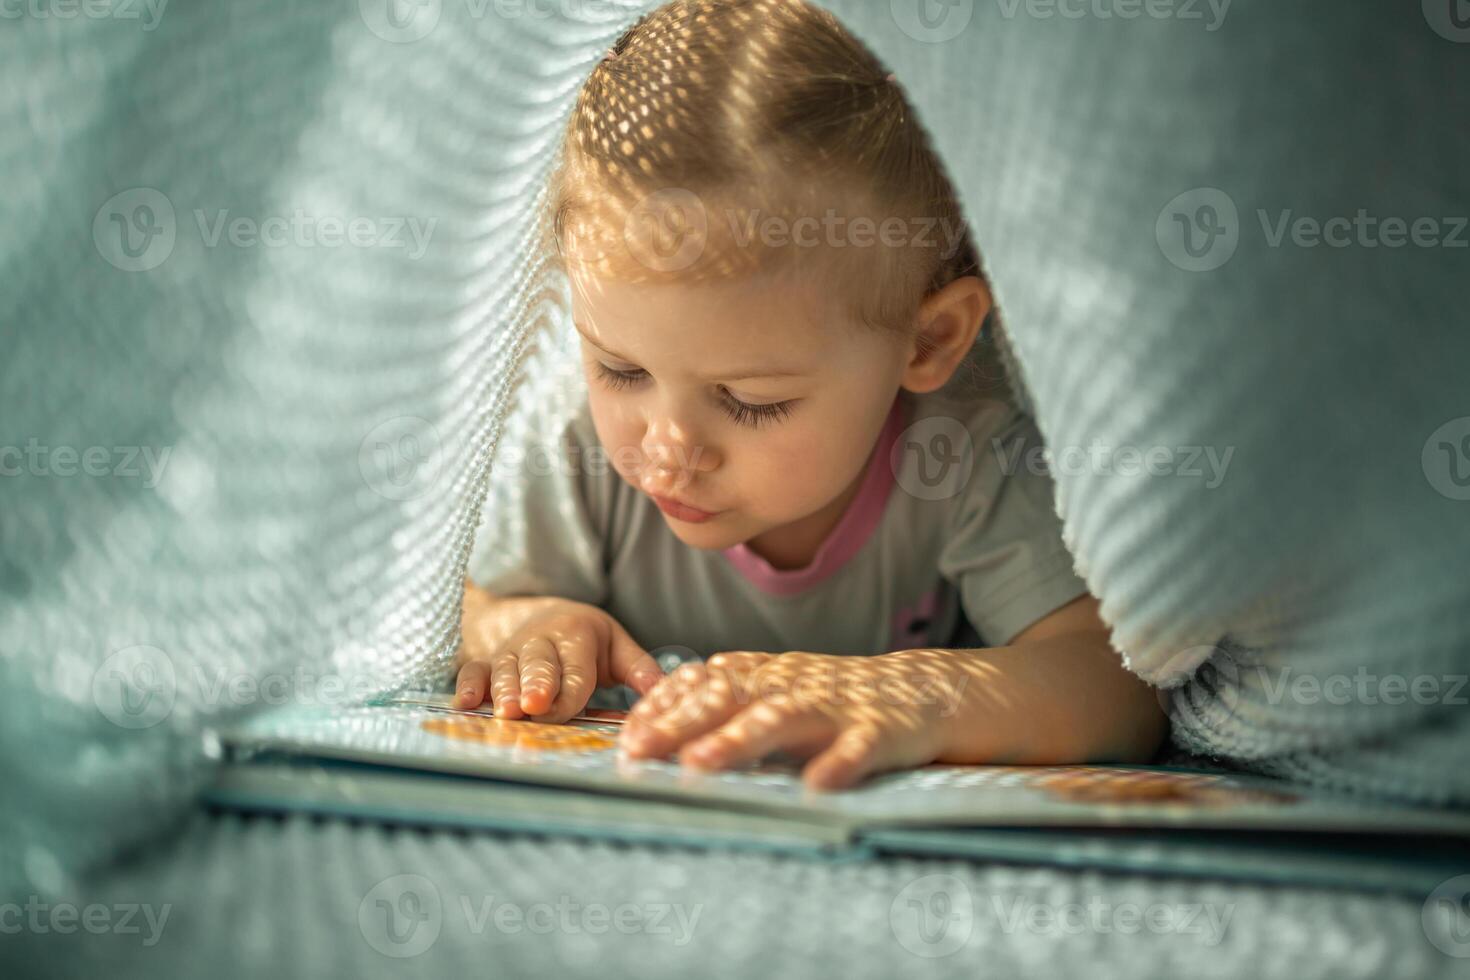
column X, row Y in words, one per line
column 938, row 529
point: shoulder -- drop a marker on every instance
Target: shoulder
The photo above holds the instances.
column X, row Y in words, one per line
column 952, row 448
column 980, row 416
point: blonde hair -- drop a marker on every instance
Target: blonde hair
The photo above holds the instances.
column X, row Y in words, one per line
column 761, row 110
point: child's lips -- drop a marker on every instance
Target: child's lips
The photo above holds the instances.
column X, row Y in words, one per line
column 681, row 511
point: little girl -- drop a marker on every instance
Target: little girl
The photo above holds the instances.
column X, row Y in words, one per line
column 775, row 301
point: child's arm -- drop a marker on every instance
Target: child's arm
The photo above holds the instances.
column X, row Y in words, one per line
column 1057, row 694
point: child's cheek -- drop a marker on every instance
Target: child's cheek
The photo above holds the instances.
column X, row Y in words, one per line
column 797, row 467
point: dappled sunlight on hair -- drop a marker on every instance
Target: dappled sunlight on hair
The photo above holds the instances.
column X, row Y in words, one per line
column 713, row 122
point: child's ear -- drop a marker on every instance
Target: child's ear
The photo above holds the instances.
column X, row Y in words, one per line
column 947, row 323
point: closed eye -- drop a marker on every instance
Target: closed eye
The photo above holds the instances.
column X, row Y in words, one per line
column 741, row 413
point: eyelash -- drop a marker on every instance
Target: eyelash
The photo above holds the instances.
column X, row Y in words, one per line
column 739, row 412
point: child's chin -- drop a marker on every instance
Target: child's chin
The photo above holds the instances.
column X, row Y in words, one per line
column 711, row 535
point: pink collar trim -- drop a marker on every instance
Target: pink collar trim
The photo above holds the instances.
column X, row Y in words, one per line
column 851, row 532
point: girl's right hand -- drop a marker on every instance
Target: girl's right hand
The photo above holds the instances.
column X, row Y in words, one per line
column 550, row 666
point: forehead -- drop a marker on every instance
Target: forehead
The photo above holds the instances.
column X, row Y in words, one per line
column 773, row 318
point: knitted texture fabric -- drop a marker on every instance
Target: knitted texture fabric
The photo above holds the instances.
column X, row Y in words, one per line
column 1144, row 192
column 300, row 898
column 270, row 292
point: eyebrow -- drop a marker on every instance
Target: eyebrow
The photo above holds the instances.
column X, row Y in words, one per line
column 739, row 375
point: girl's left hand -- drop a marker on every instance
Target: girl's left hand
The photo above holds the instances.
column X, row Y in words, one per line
column 849, row 716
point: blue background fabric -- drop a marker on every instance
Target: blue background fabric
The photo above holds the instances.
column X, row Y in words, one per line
column 1326, row 373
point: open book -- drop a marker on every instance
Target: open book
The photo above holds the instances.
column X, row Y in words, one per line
column 415, row 759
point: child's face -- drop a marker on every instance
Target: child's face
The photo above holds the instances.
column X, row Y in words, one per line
column 815, row 392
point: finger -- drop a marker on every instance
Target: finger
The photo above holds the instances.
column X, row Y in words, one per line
column 757, row 732
column 740, row 665
column 852, row 756
column 738, row 660
column 702, row 709
column 669, row 694
column 665, row 694
column 505, row 685
column 472, row 684
column 643, row 674
column 576, row 653
column 540, row 675
column 700, row 692
column 628, row 663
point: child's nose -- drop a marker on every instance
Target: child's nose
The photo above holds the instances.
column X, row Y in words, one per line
column 673, row 456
